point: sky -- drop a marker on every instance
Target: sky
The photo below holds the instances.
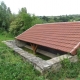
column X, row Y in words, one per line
column 45, row 7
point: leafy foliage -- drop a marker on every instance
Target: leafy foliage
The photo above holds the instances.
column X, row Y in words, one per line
column 21, row 22
column 5, row 15
column 71, row 69
column 36, row 20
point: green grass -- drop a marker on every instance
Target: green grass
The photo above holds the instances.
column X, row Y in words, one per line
column 14, row 67
column 36, row 54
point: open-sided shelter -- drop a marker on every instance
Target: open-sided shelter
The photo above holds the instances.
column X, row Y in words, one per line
column 61, row 36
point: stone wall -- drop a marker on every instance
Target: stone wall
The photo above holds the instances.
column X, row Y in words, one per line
column 20, row 43
column 41, row 65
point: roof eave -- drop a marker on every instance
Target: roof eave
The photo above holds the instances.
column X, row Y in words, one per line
column 74, row 50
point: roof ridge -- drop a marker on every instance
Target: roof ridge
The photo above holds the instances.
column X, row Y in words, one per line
column 58, row 23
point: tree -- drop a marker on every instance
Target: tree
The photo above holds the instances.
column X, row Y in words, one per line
column 4, row 17
column 22, row 22
column 36, row 20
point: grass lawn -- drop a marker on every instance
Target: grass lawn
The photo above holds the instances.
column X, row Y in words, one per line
column 13, row 67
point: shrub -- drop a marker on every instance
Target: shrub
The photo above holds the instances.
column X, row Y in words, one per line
column 71, row 70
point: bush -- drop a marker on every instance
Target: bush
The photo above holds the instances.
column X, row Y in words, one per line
column 71, row 69
column 66, row 63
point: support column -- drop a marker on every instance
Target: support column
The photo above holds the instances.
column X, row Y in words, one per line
column 34, row 47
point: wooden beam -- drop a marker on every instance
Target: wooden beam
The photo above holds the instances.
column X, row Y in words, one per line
column 34, row 47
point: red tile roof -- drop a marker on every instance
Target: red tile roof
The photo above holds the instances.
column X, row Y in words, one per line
column 64, row 36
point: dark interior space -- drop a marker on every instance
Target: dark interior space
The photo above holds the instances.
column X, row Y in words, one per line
column 54, row 51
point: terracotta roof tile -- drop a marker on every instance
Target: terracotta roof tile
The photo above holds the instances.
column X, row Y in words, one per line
column 63, row 36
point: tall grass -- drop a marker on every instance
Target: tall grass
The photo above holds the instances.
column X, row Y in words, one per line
column 12, row 66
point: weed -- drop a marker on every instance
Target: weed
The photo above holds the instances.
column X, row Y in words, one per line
column 66, row 63
column 71, row 70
